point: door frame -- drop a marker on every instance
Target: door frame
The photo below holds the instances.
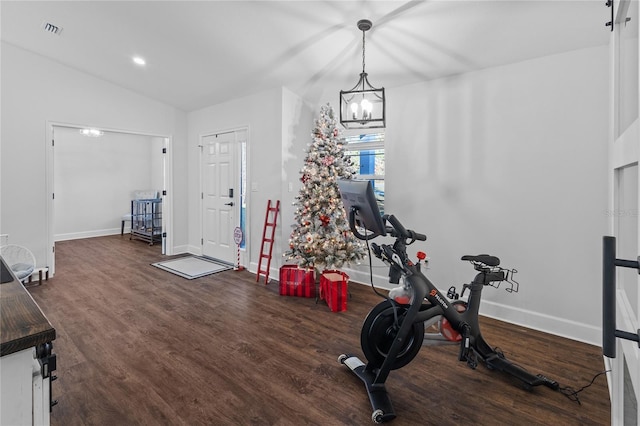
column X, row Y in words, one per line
column 237, row 130
column 624, row 151
column 167, row 200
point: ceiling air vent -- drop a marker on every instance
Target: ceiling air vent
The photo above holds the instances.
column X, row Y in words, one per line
column 50, row 28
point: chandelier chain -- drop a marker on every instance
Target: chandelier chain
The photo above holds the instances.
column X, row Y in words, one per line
column 363, row 51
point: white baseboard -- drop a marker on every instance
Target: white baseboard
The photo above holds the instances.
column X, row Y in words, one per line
column 87, row 234
column 186, row 248
column 274, row 272
column 546, row 323
column 364, row 278
column 541, row 322
column 534, row 320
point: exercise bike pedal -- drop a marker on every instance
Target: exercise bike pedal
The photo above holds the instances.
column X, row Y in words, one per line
column 472, row 360
column 465, row 348
column 549, row 382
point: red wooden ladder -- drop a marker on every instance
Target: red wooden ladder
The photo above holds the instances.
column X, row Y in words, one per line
column 271, row 226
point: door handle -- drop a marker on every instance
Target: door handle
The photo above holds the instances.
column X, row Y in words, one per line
column 229, row 204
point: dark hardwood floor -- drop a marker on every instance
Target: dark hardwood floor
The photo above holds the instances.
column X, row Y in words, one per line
column 139, row 346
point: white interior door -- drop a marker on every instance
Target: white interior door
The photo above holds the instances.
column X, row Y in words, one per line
column 624, row 208
column 219, row 195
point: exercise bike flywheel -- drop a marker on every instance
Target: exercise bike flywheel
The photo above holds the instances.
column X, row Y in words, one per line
column 379, row 331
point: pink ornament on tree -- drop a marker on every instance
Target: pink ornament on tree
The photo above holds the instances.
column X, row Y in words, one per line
column 327, row 161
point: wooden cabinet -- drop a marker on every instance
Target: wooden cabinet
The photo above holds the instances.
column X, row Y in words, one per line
column 26, row 359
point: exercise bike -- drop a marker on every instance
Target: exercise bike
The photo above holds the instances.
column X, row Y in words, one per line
column 393, row 333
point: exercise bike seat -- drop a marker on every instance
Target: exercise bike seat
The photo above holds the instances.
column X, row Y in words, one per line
column 482, row 258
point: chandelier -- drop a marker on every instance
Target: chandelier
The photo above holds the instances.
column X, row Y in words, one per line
column 362, row 107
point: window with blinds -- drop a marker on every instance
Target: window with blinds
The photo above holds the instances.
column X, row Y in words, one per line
column 367, row 155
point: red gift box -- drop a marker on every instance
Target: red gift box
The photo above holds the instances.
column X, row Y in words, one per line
column 333, row 289
column 296, row 281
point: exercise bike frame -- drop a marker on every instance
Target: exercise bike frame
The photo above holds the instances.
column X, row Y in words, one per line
column 428, row 302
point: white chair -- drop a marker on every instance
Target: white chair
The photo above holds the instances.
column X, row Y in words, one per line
column 20, row 260
column 137, row 195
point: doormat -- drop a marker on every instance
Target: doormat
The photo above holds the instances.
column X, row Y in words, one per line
column 191, row 267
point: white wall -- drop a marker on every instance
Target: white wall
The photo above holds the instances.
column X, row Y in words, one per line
column 95, row 177
column 279, row 124
column 37, row 91
column 510, row 161
column 260, row 113
column 297, row 125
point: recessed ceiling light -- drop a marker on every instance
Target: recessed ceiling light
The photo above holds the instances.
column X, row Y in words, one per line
column 139, row 60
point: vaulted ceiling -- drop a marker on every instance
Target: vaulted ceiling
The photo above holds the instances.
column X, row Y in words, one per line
column 200, row 53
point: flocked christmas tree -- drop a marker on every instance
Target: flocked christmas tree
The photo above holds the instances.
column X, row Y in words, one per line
column 321, row 237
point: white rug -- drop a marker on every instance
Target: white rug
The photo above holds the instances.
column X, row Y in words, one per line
column 192, row 266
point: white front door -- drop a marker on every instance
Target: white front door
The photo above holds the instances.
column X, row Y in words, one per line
column 219, row 195
column 624, row 207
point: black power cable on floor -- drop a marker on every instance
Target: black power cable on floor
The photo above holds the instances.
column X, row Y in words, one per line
column 572, row 394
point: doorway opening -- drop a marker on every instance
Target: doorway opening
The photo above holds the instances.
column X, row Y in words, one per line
column 92, row 176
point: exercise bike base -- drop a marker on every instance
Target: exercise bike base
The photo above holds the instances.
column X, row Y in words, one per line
column 378, row 396
column 529, row 380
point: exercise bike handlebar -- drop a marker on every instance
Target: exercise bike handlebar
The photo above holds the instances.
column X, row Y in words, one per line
column 399, row 231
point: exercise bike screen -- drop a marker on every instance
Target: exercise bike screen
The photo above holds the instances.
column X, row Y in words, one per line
column 360, row 204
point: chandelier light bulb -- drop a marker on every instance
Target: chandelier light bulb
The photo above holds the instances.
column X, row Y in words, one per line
column 367, row 108
column 354, row 110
